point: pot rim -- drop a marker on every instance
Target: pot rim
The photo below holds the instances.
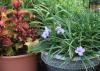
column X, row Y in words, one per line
column 18, row 56
column 60, row 57
column 58, row 63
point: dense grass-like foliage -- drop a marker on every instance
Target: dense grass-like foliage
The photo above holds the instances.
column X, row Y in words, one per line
column 81, row 27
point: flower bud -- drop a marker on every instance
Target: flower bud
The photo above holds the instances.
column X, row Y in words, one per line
column 16, row 4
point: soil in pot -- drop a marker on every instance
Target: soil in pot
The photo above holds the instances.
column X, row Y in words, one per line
column 18, row 63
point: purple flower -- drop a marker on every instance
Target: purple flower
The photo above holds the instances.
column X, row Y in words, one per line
column 59, row 30
column 46, row 33
column 80, row 50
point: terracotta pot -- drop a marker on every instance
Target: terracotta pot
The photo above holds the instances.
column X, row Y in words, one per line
column 18, row 63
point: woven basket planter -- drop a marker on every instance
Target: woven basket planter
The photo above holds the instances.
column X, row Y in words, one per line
column 55, row 64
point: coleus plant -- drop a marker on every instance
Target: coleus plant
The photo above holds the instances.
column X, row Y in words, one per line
column 16, row 35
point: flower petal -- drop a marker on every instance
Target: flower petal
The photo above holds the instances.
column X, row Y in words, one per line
column 46, row 33
column 59, row 30
column 80, row 50
column 80, row 54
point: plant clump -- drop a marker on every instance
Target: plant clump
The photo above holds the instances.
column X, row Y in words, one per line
column 15, row 30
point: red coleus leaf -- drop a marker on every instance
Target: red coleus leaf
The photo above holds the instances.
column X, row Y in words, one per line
column 32, row 33
column 19, row 29
column 2, row 9
column 6, row 41
column 21, row 17
column 25, row 25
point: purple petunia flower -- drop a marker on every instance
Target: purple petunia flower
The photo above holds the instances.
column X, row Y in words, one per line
column 80, row 50
column 59, row 30
column 46, row 32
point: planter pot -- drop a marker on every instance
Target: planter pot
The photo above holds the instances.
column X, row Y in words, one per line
column 18, row 63
column 55, row 64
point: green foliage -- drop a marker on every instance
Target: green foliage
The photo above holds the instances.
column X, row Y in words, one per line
column 80, row 24
column 5, row 3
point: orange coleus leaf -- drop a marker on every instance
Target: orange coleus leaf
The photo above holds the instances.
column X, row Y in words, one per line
column 6, row 33
column 24, row 11
column 16, row 0
column 2, row 13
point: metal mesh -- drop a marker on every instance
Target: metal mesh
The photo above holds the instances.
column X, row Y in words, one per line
column 50, row 68
column 56, row 64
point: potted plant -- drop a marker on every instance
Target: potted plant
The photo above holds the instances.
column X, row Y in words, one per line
column 16, row 39
column 70, row 36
